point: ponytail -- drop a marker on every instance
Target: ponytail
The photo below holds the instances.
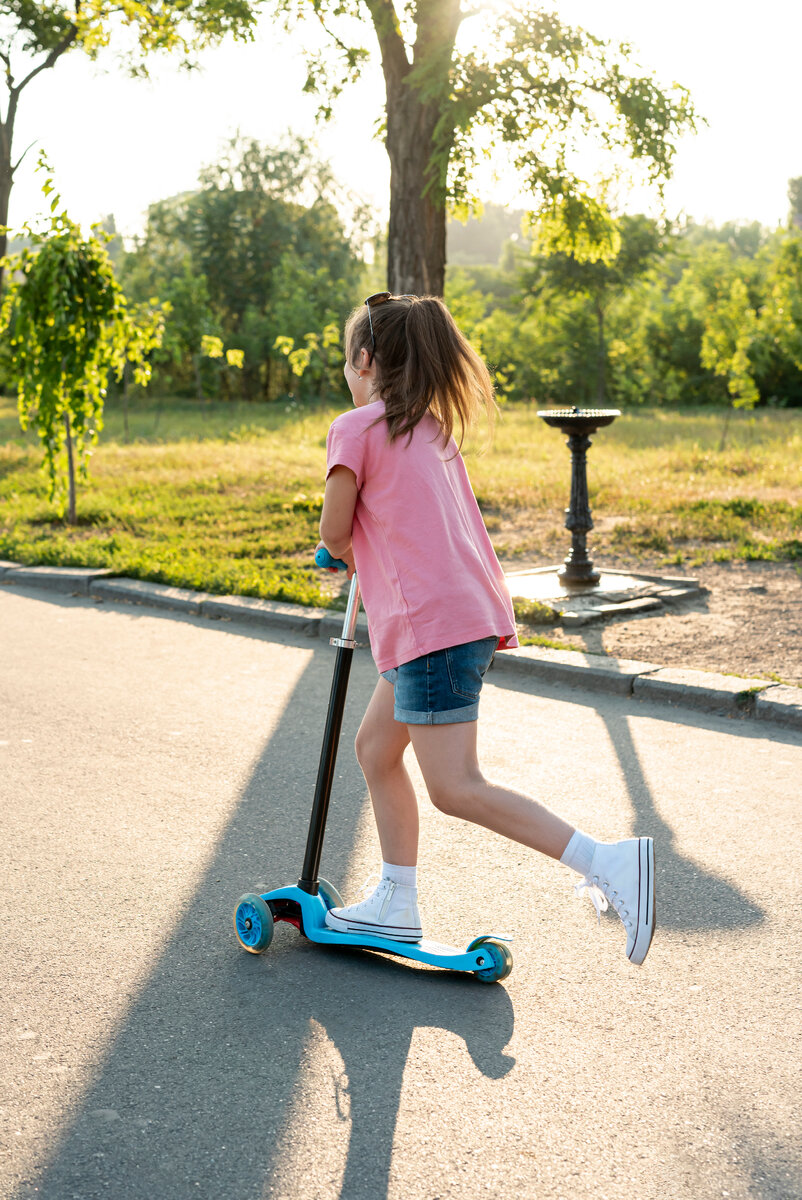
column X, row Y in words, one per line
column 425, row 364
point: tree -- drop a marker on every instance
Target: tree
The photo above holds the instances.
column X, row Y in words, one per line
column 795, row 201
column 69, row 325
column 35, row 36
column 640, row 242
column 530, row 84
column 257, row 253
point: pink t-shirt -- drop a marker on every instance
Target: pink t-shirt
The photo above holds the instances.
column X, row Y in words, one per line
column 427, row 569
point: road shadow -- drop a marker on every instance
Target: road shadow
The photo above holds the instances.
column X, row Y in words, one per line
column 690, row 897
column 197, row 1094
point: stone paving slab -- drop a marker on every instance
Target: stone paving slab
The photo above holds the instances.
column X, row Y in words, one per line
column 160, row 595
column 780, row 703
column 727, row 694
column 58, row 579
column 570, row 618
column 629, row 607
column 619, row 593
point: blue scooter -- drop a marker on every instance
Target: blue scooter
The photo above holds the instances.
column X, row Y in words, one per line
column 306, row 903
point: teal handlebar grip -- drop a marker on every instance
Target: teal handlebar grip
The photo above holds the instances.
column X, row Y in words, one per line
column 324, row 559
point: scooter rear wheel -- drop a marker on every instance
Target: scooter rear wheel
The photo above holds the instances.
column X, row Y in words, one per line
column 499, row 956
column 253, row 923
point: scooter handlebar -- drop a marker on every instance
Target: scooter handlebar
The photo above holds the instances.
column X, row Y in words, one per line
column 324, row 559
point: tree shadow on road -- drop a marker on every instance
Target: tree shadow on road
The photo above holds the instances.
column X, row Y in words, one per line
column 689, row 896
column 198, row 1092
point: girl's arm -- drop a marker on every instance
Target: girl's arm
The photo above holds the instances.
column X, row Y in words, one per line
column 337, row 516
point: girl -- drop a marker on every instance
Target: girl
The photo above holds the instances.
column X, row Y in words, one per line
column 399, row 509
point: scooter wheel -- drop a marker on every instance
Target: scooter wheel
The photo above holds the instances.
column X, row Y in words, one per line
column 330, row 894
column 499, row 958
column 253, row 923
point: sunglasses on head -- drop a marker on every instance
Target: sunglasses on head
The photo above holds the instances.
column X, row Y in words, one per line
column 379, row 298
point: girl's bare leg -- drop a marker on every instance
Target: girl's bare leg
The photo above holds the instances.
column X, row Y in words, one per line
column 380, row 745
column 456, row 785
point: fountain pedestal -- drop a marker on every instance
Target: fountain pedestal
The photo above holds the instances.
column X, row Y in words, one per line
column 578, row 424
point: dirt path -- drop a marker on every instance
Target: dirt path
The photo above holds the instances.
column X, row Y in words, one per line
column 747, row 622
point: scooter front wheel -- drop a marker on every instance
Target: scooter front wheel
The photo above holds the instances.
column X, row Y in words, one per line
column 253, row 923
column 499, row 959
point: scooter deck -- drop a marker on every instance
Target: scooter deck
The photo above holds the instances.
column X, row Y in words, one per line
column 436, row 954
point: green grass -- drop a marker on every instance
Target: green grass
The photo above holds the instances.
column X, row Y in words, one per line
column 226, row 497
column 533, row 612
column 202, row 503
column 549, row 643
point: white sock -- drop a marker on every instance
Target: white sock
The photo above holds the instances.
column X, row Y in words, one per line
column 578, row 854
column 405, row 876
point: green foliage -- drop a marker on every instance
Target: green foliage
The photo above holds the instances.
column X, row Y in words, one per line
column 521, row 83
column 68, row 326
column 533, row 612
column 689, row 316
column 42, row 28
column 258, row 254
column 541, row 90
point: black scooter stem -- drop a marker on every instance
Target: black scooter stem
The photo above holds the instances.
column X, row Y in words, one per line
column 331, row 739
column 325, row 771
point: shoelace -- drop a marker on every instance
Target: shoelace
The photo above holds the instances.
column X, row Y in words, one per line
column 371, row 885
column 601, row 898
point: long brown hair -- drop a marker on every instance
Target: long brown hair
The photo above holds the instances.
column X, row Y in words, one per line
column 425, row 364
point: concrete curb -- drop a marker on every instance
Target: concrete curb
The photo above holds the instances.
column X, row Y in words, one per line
column 159, row 595
column 265, row 612
column 704, row 691
column 592, row 671
column 780, row 703
column 56, row 579
column 728, row 695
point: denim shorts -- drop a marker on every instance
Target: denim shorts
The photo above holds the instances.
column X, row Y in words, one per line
column 442, row 688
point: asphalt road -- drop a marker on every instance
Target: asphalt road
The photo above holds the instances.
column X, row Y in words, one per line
column 154, row 767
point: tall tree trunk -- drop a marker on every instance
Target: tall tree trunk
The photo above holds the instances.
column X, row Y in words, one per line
column 6, row 176
column 601, row 358
column 71, row 514
column 5, row 195
column 416, row 245
column 419, row 136
column 126, row 373
column 7, row 164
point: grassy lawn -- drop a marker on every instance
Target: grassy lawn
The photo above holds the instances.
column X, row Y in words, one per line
column 226, row 497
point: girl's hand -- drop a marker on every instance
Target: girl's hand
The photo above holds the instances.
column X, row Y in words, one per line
column 337, row 517
column 331, row 570
column 347, row 557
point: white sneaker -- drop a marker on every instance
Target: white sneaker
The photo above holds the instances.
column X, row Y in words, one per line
column 622, row 874
column 391, row 911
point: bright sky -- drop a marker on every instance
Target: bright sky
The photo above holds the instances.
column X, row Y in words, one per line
column 117, row 145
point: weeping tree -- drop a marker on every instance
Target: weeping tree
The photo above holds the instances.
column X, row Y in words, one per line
column 517, row 81
column 68, row 327
column 34, row 37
